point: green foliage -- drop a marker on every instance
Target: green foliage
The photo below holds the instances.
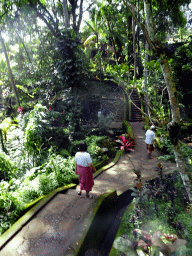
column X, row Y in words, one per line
column 26, row 184
column 166, row 145
column 107, row 146
column 163, row 142
column 36, row 129
column 124, row 246
column 156, row 242
column 97, row 153
column 104, row 122
column 70, row 62
column 39, row 132
column 101, row 148
column 182, row 72
column 153, row 215
column 187, row 154
column 56, row 172
column 146, row 123
column 10, row 209
column 64, row 152
column 7, row 170
column 156, row 92
column 2, row 142
column 127, row 129
column 119, row 71
column 6, row 125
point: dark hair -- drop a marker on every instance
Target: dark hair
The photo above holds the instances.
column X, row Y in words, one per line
column 83, row 146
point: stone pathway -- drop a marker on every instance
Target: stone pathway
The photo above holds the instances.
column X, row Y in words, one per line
column 121, row 176
column 57, row 229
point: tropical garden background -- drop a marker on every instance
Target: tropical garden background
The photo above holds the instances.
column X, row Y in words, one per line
column 57, row 68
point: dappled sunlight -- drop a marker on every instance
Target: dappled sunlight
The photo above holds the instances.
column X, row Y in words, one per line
column 140, row 137
column 122, row 167
column 111, row 172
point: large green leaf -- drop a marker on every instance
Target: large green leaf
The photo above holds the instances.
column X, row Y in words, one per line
column 177, row 243
column 125, row 246
column 89, row 39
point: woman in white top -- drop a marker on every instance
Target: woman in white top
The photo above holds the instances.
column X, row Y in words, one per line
column 150, row 137
column 83, row 167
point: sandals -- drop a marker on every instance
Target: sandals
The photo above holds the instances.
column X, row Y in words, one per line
column 89, row 196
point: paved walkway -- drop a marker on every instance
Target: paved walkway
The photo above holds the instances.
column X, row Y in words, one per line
column 121, row 175
column 57, row 229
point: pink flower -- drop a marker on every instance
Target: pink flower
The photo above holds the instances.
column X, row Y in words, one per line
column 50, row 108
column 127, row 144
column 20, row 109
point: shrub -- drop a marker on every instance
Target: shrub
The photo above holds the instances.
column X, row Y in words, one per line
column 10, row 210
column 104, row 122
column 6, row 167
column 36, row 129
column 40, row 133
column 127, row 142
column 107, row 145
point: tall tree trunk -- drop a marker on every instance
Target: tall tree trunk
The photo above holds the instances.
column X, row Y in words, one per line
column 173, row 99
column 73, row 12
column 129, row 29
column 80, row 15
column 9, row 70
column 149, row 20
column 134, row 48
column 176, row 119
column 24, row 46
column 112, row 39
column 149, row 31
column 66, row 14
column 146, row 98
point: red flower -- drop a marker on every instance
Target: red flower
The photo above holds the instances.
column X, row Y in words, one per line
column 126, row 142
column 50, row 108
column 20, row 109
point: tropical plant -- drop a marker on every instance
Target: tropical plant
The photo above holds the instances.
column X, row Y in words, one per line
column 140, row 194
column 104, row 122
column 7, row 170
column 6, row 125
column 127, row 142
column 2, row 142
column 44, row 128
column 10, row 209
column 151, row 245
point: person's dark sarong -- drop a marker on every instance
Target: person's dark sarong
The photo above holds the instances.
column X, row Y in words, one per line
column 150, row 147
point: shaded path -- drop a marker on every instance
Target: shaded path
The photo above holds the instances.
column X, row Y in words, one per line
column 60, row 225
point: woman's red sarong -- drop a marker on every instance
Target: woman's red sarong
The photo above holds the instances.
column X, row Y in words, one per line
column 86, row 180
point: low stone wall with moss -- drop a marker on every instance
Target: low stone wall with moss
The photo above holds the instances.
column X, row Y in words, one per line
column 127, row 128
column 99, row 224
column 123, row 226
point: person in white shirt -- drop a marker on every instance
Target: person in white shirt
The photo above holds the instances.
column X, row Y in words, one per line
column 150, row 137
column 84, row 167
